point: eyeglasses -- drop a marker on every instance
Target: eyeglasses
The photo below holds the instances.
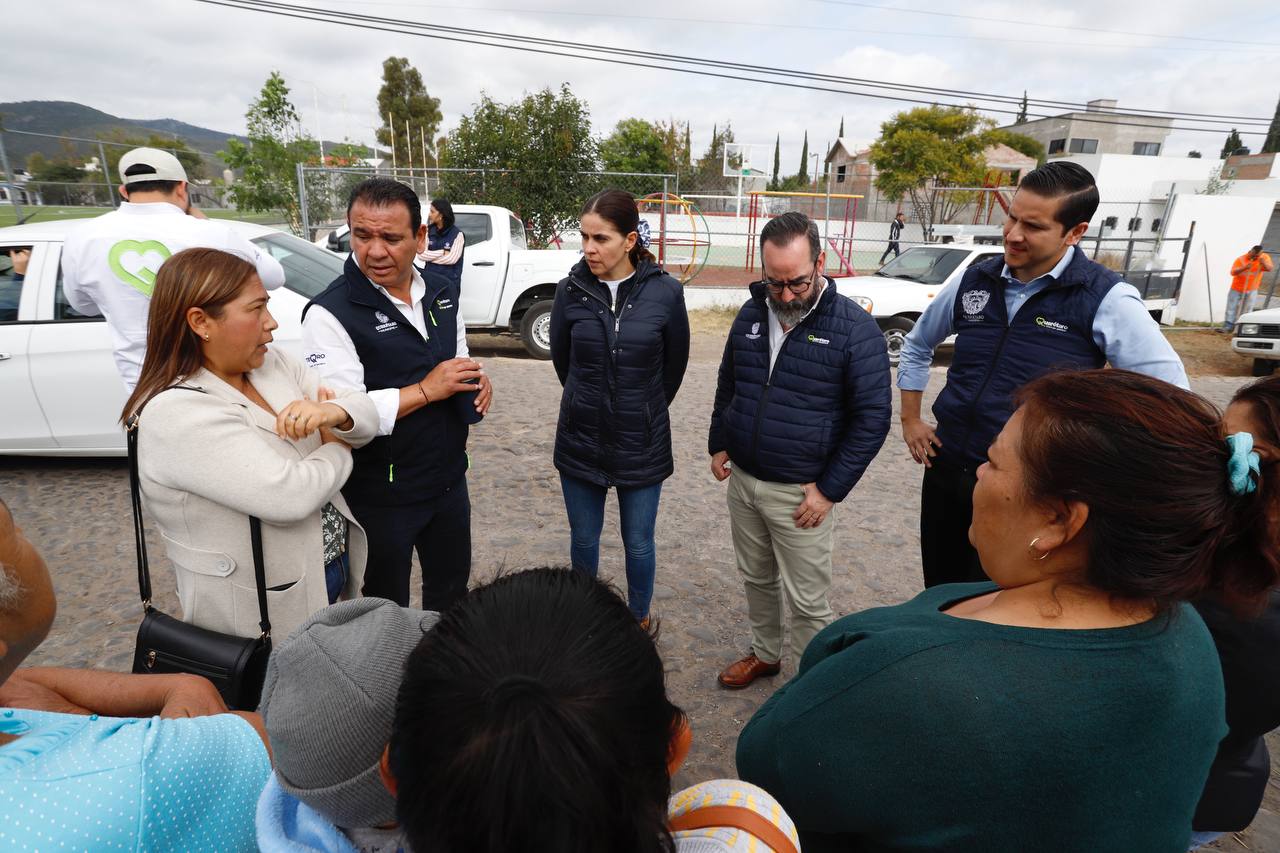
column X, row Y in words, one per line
column 796, row 287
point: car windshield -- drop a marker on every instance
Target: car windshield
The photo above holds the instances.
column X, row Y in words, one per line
column 924, row 264
column 308, row 269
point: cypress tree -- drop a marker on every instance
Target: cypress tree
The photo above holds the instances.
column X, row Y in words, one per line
column 1272, row 145
column 804, row 160
column 777, row 161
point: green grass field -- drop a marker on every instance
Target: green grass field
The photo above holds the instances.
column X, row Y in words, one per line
column 49, row 213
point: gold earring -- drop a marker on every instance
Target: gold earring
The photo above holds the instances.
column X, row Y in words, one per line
column 206, row 337
column 1032, row 549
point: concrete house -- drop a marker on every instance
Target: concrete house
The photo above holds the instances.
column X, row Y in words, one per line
column 1098, row 129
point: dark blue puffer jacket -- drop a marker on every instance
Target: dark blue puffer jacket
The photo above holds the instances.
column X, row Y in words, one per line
column 823, row 414
column 620, row 371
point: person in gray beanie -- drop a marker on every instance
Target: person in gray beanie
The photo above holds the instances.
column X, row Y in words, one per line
column 328, row 703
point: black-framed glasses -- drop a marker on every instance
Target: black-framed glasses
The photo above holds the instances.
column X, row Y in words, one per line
column 799, row 288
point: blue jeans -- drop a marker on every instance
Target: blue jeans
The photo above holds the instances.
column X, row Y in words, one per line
column 335, row 575
column 638, row 509
column 1237, row 303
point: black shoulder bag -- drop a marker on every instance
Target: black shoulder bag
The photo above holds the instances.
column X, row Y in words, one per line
column 235, row 665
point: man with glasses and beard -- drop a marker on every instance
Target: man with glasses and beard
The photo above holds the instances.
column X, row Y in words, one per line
column 802, row 407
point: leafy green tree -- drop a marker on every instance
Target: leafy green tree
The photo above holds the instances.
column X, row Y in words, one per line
column 1233, row 144
column 923, row 151
column 1019, row 142
column 1022, row 114
column 675, row 141
column 777, row 160
column 414, row 114
column 708, row 172
column 636, row 146
column 1272, row 142
column 545, row 142
column 268, row 164
column 803, row 174
column 56, row 179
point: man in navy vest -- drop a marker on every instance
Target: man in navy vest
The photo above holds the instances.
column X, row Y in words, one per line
column 1044, row 306
column 386, row 328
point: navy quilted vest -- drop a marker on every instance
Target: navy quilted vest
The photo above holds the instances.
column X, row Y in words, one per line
column 993, row 357
column 426, row 453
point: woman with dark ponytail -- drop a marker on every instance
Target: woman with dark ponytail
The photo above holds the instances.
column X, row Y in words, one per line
column 1248, row 643
column 1074, row 703
column 620, row 345
column 445, row 242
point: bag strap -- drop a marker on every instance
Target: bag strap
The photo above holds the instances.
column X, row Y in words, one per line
column 259, row 575
column 139, row 533
column 735, row 817
column 135, row 502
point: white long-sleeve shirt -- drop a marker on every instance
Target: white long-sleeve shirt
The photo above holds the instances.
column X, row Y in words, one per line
column 329, row 350
column 109, row 267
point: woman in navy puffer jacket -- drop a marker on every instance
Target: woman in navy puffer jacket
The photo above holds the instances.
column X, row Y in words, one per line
column 620, row 345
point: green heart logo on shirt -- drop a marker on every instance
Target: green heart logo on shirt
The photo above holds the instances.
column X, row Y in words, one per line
column 143, row 279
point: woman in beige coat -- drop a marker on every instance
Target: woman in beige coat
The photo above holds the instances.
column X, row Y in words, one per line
column 232, row 429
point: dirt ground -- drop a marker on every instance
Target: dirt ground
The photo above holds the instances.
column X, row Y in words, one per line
column 77, row 513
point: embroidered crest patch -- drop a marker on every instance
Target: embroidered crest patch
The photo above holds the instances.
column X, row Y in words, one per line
column 974, row 301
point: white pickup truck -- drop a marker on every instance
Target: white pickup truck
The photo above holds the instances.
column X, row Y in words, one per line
column 506, row 286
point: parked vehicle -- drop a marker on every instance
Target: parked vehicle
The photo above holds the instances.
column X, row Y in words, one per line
column 899, row 292
column 1257, row 334
column 506, row 286
column 61, row 393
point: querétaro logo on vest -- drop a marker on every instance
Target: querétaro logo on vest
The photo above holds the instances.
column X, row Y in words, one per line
column 973, row 302
column 1050, row 324
column 385, row 323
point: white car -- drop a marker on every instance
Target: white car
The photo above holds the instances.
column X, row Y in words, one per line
column 899, row 292
column 1257, row 334
column 61, row 393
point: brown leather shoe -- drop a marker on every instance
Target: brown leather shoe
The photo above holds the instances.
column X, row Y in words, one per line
column 741, row 673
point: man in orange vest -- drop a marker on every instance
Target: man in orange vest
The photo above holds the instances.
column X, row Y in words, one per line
column 1246, row 275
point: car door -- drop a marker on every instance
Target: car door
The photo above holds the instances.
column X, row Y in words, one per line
column 73, row 371
column 484, row 268
column 23, row 427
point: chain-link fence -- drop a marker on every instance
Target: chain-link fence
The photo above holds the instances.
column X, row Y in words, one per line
column 548, row 203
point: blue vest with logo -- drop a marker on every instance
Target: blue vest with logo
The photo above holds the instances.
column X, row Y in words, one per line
column 437, row 239
column 426, row 454
column 993, row 357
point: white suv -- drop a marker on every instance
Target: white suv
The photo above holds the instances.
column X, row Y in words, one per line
column 1257, row 334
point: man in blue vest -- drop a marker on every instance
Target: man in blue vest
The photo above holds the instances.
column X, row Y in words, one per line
column 1044, row 306
column 386, row 328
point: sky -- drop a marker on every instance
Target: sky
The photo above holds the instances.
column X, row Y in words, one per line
column 203, row 64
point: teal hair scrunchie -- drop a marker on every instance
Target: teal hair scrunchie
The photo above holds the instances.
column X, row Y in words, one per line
column 1244, row 466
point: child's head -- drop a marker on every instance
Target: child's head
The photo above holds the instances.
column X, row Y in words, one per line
column 328, row 703
column 535, row 717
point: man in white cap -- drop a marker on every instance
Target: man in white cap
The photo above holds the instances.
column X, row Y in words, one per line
column 109, row 265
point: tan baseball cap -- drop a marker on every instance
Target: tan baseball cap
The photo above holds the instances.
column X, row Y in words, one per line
column 150, row 164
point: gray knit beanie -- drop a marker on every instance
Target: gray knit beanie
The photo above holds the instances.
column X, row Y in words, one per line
column 328, row 702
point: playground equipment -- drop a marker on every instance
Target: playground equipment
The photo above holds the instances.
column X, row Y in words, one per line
column 694, row 249
column 993, row 184
column 840, row 243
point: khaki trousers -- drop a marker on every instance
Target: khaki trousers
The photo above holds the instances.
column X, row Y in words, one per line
column 777, row 560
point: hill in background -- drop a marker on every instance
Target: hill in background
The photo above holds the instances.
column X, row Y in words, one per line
column 67, row 118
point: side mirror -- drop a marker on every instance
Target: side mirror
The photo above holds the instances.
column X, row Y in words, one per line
column 333, row 241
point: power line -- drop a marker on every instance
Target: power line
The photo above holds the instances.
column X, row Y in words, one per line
column 1261, row 121
column 553, row 47
column 988, row 20
column 776, row 25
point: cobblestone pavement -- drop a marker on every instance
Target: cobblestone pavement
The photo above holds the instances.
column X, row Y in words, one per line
column 77, row 512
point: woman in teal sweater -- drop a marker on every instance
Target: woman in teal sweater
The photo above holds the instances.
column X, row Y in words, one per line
column 1076, row 703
